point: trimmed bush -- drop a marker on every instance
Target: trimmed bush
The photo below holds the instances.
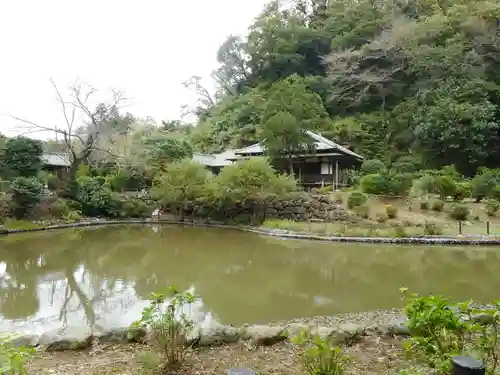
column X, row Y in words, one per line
column 432, row 229
column 381, row 217
column 495, row 193
column 59, row 208
column 459, row 212
column 375, row 184
column 463, row 190
column 491, row 206
column 373, row 166
column 483, row 186
column 445, row 186
column 391, row 211
column 356, row 199
column 26, row 194
column 437, row 205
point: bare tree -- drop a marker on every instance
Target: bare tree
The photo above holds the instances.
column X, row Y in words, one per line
column 82, row 126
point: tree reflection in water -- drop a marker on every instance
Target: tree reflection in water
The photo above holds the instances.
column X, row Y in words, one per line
column 68, row 277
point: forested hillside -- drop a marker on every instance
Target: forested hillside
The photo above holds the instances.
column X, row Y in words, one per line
column 392, row 79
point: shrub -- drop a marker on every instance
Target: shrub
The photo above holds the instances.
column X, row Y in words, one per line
column 400, row 232
column 441, row 329
column 59, row 208
column 491, row 206
column 375, row 184
column 135, row 208
column 445, row 186
column 373, row 166
column 482, row 186
column 53, row 182
column 95, row 199
column 495, row 192
column 322, row 190
column 391, row 211
column 424, row 185
column 320, row 355
column 459, row 212
column 432, row 229
column 26, row 193
column 22, row 157
column 424, row 206
column 356, row 199
column 14, row 357
column 73, row 215
column 463, row 190
column 437, row 205
column 381, row 217
column 169, row 325
column 362, row 211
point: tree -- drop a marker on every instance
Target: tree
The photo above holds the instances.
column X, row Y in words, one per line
column 22, row 157
column 168, row 149
column 182, row 182
column 204, row 99
column 83, row 126
column 26, row 194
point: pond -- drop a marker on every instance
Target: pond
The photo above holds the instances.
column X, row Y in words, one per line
column 105, row 275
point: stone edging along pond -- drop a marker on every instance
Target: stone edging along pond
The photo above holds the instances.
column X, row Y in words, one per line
column 429, row 240
column 216, row 334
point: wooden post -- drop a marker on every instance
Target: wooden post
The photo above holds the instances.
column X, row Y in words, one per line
column 460, row 227
column 465, row 365
column 488, row 227
column 336, row 174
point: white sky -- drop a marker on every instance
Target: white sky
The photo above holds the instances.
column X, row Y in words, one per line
column 144, row 48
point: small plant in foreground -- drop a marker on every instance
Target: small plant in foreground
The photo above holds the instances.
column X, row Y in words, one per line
column 391, row 211
column 169, row 325
column 319, row 356
column 13, row 358
column 362, row 211
column 441, row 329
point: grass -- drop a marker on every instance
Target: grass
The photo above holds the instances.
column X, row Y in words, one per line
column 19, row 224
column 410, row 220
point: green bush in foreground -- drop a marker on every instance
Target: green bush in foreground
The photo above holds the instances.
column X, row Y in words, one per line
column 441, row 329
column 356, row 199
column 169, row 325
column 319, row 355
column 391, row 211
column 432, row 229
column 13, row 358
column 26, row 194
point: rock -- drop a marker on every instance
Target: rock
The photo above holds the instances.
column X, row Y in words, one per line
column 294, row 329
column 351, row 332
column 264, row 335
column 22, row 339
column 217, row 334
column 71, row 339
column 136, row 334
column 398, row 328
column 116, row 335
column 326, row 332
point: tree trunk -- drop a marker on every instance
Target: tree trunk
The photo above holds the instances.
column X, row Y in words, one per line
column 290, row 165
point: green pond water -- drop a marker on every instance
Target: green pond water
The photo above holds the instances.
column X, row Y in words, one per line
column 105, row 275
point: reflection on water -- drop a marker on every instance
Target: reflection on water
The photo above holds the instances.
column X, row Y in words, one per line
column 103, row 276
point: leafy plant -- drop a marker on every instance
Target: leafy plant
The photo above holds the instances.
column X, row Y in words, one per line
column 169, row 325
column 362, row 211
column 441, row 329
column 432, row 229
column 372, row 166
column 26, row 193
column 459, row 212
column 424, row 206
column 13, row 358
column 319, row 356
column 356, row 199
column 437, row 205
column 491, row 206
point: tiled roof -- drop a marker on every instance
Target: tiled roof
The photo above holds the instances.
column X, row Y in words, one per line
column 215, row 160
column 56, row 159
column 320, row 143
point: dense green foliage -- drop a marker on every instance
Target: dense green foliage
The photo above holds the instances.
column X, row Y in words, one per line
column 22, row 157
column 396, row 80
column 26, row 193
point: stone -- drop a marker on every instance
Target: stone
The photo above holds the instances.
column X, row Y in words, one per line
column 294, row 329
column 71, row 339
column 261, row 335
column 240, row 371
column 136, row 334
column 325, row 332
column 217, row 334
column 116, row 335
column 16, row 339
column 398, row 327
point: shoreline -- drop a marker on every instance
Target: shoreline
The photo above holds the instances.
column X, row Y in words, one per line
column 425, row 240
column 341, row 327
